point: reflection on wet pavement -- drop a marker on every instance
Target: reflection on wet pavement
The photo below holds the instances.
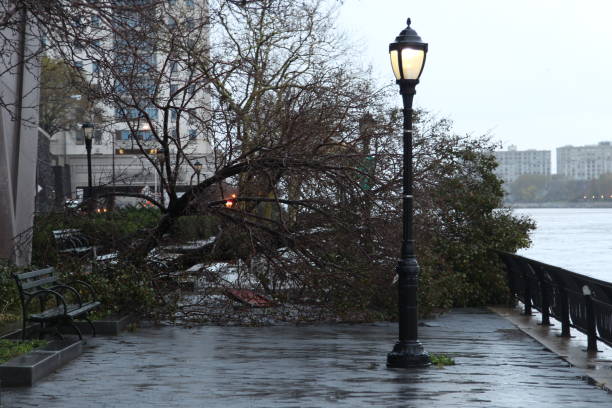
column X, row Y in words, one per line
column 313, row 366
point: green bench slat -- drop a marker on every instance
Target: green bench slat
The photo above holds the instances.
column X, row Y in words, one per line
column 73, row 311
column 33, row 274
column 39, row 282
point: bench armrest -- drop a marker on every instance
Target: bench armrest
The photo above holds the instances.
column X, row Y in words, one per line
column 69, row 288
column 58, row 298
column 87, row 286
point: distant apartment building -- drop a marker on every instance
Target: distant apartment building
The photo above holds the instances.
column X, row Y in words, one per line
column 144, row 77
column 584, row 162
column 514, row 163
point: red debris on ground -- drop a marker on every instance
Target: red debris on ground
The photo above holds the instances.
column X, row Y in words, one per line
column 248, row 297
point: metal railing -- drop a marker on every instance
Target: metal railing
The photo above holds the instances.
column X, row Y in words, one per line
column 577, row 301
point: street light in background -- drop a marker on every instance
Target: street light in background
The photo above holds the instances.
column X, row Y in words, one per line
column 88, row 131
column 198, row 168
column 407, row 60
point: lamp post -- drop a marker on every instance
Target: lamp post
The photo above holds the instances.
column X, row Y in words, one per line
column 161, row 158
column 407, row 60
column 88, row 131
column 198, row 168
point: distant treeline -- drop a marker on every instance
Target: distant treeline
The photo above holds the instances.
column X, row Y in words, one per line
column 557, row 188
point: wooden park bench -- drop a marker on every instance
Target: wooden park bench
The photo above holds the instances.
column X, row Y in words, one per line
column 71, row 241
column 74, row 242
column 51, row 304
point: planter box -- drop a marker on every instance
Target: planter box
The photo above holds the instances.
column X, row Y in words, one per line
column 26, row 369
column 110, row 326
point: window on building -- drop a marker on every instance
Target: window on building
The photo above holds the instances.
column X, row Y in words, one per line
column 172, row 24
column 174, row 67
column 122, row 134
column 193, row 134
column 97, row 139
column 151, row 113
column 145, row 135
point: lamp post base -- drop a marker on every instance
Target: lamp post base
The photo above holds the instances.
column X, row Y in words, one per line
column 408, row 355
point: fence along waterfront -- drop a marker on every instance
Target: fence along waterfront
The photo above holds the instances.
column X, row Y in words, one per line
column 577, row 301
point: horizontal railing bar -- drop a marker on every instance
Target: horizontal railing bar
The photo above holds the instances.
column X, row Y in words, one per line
column 577, row 301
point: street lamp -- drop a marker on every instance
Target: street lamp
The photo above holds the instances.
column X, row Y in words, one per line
column 88, row 131
column 198, row 168
column 407, row 60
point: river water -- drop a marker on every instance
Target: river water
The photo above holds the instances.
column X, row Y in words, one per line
column 577, row 239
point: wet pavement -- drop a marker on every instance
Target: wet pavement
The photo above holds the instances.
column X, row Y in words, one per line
column 313, row 366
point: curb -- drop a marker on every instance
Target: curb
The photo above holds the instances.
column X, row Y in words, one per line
column 27, row 369
column 596, row 366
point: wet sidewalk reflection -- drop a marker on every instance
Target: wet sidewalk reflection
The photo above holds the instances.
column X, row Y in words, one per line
column 313, row 366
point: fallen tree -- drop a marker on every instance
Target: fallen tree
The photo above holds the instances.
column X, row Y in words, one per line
column 312, row 148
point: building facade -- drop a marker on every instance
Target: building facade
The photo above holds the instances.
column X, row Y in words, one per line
column 514, row 163
column 19, row 93
column 584, row 162
column 114, row 165
column 151, row 101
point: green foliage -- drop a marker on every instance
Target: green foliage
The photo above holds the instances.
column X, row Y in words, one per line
column 460, row 223
column 557, row 188
column 345, row 258
column 110, row 230
column 62, row 106
column 441, row 360
column 9, row 295
column 530, row 188
column 122, row 288
column 192, row 227
column 10, row 349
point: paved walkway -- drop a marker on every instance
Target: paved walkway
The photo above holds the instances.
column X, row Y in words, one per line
column 314, row 366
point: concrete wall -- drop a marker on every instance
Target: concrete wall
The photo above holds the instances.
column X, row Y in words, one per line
column 18, row 141
column 45, row 179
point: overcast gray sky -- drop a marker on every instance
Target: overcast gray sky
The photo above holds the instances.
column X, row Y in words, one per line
column 533, row 73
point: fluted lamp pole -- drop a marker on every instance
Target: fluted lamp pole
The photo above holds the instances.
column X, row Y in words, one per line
column 88, row 131
column 407, row 60
column 198, row 169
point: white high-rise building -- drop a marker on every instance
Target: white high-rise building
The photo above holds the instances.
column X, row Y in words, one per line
column 152, row 92
column 514, row 163
column 584, row 162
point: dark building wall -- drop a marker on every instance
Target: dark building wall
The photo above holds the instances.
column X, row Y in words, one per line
column 45, row 180
column 62, row 184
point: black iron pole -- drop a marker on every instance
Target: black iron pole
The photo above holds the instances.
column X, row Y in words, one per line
column 90, row 202
column 408, row 351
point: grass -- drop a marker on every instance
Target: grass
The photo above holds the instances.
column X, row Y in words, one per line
column 10, row 349
column 441, row 360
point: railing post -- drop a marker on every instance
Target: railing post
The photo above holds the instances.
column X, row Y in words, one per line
column 590, row 315
column 545, row 303
column 565, row 318
column 527, row 294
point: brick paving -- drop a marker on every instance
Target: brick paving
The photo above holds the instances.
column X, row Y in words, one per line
column 314, row 366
